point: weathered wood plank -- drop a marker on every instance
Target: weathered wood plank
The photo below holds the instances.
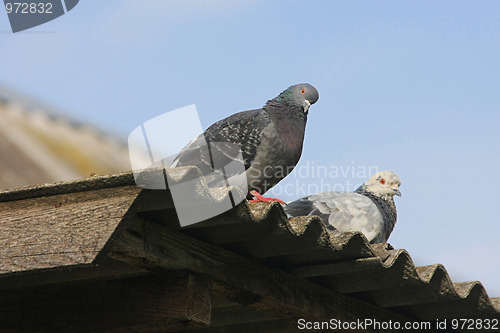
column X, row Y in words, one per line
column 237, row 314
column 106, row 270
column 241, row 280
column 154, row 303
column 269, row 326
column 65, row 187
column 60, row 230
column 363, row 264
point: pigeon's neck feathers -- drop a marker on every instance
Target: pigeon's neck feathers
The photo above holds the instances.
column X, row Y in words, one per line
column 365, row 190
column 285, row 98
column 285, row 113
column 283, row 105
column 376, row 197
column 386, row 206
column 288, row 120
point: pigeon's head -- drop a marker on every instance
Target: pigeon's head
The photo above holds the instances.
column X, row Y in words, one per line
column 300, row 96
column 383, row 184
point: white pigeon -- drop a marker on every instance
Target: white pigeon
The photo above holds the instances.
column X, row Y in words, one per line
column 370, row 209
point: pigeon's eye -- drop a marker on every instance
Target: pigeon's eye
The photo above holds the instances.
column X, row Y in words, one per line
column 303, row 91
column 382, row 181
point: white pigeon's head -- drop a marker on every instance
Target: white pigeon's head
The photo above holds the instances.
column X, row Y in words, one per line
column 383, row 184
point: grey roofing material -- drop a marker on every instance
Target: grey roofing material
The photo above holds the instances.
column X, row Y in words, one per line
column 346, row 263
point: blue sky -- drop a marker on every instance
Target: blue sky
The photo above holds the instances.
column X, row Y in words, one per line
column 412, row 87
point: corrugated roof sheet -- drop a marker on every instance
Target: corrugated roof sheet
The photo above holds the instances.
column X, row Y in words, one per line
column 347, row 263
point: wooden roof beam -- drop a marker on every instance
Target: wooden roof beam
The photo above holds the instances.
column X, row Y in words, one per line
column 237, row 278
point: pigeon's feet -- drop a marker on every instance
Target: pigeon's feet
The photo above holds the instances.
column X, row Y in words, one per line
column 260, row 198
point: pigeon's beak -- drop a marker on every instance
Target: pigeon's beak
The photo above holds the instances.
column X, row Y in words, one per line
column 306, row 104
column 396, row 191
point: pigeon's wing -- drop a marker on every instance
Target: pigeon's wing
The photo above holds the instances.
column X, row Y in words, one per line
column 303, row 207
column 343, row 211
column 220, row 144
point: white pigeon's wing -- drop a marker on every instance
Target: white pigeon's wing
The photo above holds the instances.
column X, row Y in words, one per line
column 348, row 212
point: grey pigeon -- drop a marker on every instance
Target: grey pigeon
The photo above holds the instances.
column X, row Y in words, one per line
column 270, row 140
column 370, row 209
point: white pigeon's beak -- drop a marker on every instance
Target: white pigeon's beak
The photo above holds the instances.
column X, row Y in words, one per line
column 306, row 104
column 396, row 191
